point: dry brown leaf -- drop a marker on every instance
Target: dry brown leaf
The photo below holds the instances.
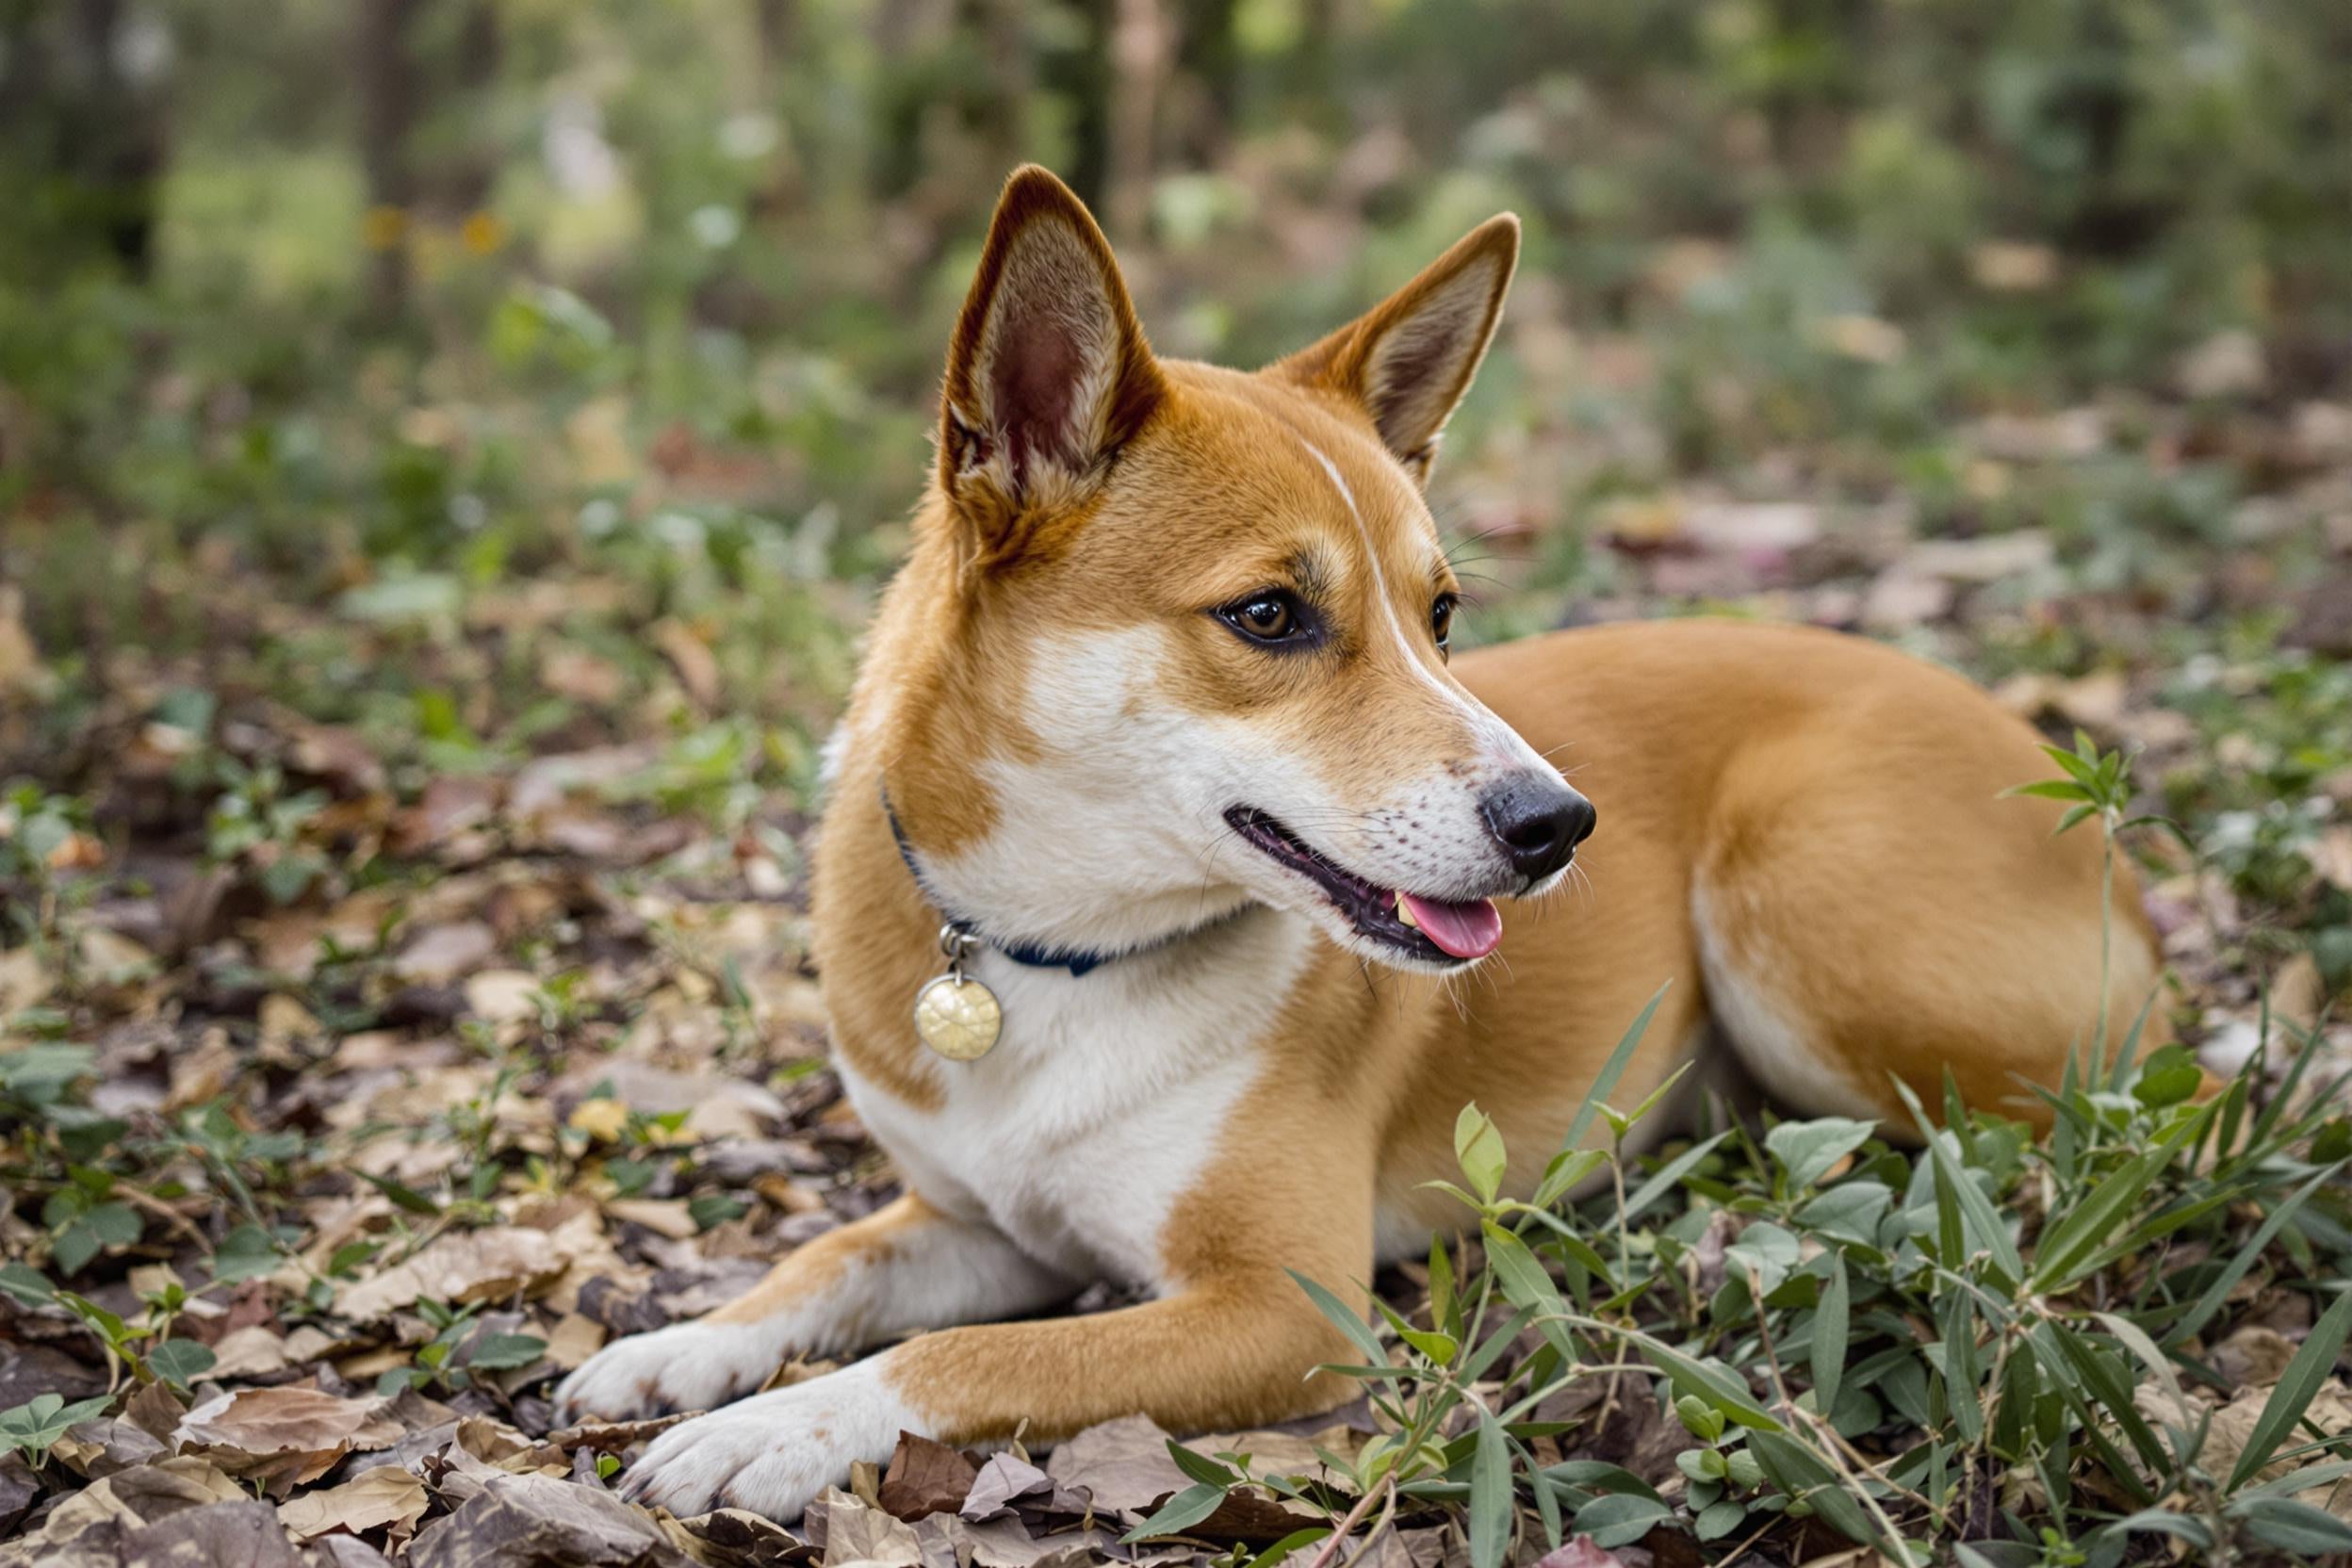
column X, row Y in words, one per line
column 666, row 1217
column 856, row 1532
column 443, row 954
column 24, row 981
column 925, row 1477
column 137, row 1496
column 690, row 657
column 252, row 1351
column 472, row 1266
column 2253, row 1356
column 383, row 1498
column 281, row 1434
column 537, row 1521
column 573, row 1340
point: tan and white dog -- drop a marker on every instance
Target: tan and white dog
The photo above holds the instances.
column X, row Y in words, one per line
column 1161, row 713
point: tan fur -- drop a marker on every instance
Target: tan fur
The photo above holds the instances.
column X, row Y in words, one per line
column 1803, row 833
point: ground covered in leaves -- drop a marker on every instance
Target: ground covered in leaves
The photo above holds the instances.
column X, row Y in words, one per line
column 357, row 1090
column 407, row 745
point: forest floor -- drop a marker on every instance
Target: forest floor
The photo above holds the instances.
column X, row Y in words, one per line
column 374, row 1046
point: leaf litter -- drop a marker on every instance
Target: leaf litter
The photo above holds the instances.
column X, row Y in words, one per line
column 359, row 1129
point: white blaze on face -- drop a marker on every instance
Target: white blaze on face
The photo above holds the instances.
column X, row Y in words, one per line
column 1498, row 743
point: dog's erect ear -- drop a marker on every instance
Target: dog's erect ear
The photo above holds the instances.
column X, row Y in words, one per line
column 1410, row 359
column 1049, row 372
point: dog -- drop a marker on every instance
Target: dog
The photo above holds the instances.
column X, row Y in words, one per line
column 1160, row 792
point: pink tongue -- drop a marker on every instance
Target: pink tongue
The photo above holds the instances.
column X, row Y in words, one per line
column 1463, row 930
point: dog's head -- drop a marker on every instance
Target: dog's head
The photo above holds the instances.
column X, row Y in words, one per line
column 1174, row 638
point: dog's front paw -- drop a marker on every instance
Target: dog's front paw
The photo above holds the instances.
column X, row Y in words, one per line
column 684, row 1366
column 774, row 1453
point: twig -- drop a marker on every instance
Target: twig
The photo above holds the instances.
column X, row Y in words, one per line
column 1387, row 1487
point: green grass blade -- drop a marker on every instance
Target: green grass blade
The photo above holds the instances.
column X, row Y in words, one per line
column 1490, row 1494
column 1611, row 1070
column 2219, row 1292
column 1351, row 1323
column 1830, row 1329
column 1667, row 1174
column 2067, row 1245
column 2296, row 1388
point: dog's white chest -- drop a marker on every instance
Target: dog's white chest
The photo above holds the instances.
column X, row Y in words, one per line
column 1105, row 1099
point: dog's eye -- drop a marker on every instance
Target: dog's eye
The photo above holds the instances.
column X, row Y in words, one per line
column 1441, row 620
column 1266, row 618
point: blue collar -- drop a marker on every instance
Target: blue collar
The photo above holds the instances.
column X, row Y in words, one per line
column 1019, row 953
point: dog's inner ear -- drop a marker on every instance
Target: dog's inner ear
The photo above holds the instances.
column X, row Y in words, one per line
column 1410, row 359
column 1049, row 372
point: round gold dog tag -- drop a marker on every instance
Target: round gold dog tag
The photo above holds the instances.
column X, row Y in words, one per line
column 958, row 1017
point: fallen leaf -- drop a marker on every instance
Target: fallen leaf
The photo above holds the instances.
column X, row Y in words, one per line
column 539, row 1521
column 239, row 1534
column 470, row 1266
column 926, row 1477
column 383, row 1498
column 444, row 955
column 281, row 1434
column 666, row 1217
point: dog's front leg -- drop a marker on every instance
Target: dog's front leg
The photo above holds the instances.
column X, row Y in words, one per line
column 906, row 1266
column 1231, row 1352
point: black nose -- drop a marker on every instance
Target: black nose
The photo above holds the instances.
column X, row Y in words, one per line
column 1539, row 823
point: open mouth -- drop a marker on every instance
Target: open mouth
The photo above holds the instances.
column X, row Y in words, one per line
column 1439, row 930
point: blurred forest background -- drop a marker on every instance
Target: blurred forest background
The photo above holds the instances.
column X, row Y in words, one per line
column 448, row 449
column 471, row 380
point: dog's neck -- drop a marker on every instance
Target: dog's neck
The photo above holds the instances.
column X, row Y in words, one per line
column 1076, row 962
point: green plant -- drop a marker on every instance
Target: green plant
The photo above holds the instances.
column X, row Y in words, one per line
column 32, row 1429
column 449, row 1361
column 1796, row 1362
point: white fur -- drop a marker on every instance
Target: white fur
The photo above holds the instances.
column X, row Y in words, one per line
column 1081, row 857
column 1096, row 1110
column 1114, row 837
column 1767, row 1034
column 947, row 1272
column 774, row 1453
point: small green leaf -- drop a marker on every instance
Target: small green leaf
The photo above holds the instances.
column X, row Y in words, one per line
column 2169, row 1076
column 714, row 1208
column 27, row 1285
column 1202, row 1468
column 1829, row 1336
column 401, row 1195
column 1613, row 1069
column 1478, row 1148
column 1350, row 1323
column 1718, row 1520
column 1807, row 1149
column 1620, row 1519
column 180, row 1362
column 1179, row 1514
column 499, row 1352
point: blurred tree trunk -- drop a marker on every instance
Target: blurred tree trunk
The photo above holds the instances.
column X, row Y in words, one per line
column 995, row 104
column 779, row 24
column 1208, row 59
column 119, row 150
column 1140, row 45
column 84, row 122
column 1082, row 77
column 388, row 98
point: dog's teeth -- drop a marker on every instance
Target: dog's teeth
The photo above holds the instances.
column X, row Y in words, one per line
column 1404, row 913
